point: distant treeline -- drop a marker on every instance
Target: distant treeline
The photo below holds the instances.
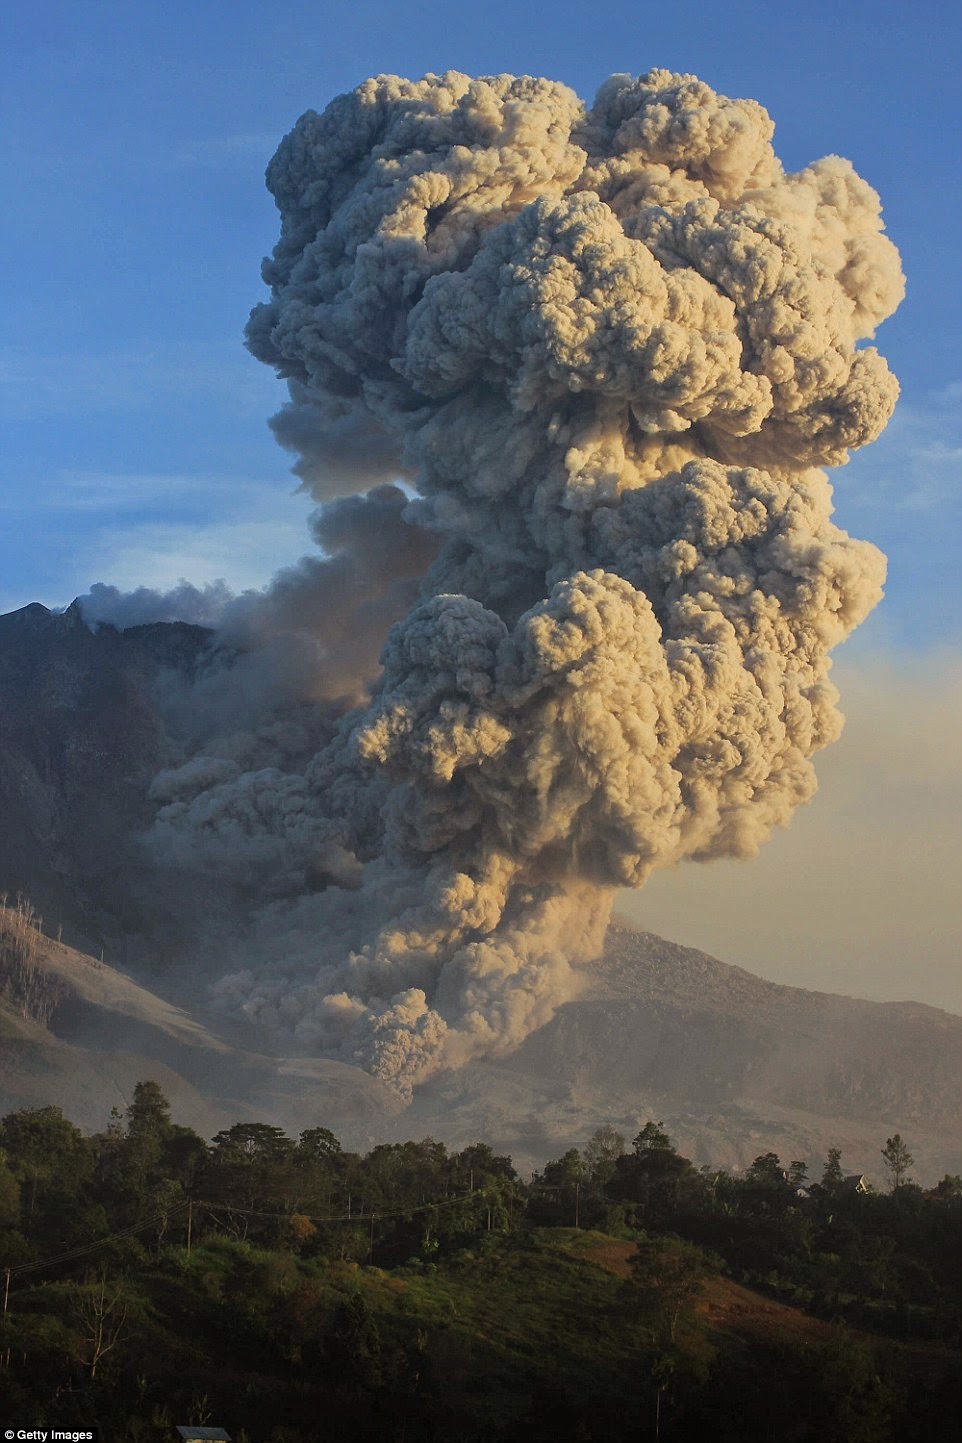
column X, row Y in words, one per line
column 151, row 1277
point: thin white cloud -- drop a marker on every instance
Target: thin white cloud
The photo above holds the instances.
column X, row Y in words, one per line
column 150, row 529
column 916, row 465
column 113, row 492
column 244, row 552
column 49, row 385
column 243, row 148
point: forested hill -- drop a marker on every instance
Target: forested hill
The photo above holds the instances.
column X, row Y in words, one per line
column 290, row 1289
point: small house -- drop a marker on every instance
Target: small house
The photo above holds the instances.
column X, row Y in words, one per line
column 856, row 1182
column 194, row 1433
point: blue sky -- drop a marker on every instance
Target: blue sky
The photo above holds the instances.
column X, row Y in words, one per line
column 134, row 139
column 134, row 143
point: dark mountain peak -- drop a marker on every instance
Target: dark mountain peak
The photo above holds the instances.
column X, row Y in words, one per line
column 81, row 736
column 72, row 615
column 39, row 620
column 35, row 640
column 31, row 618
column 177, row 644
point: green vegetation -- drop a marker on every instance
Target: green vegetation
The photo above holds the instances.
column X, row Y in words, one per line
column 291, row 1290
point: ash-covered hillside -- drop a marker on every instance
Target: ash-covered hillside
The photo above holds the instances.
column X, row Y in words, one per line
column 78, row 1034
column 734, row 1066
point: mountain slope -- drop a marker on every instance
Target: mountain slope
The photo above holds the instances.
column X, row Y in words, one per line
column 79, row 1034
column 734, row 1066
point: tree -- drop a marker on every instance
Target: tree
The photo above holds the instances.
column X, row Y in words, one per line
column 765, row 1190
column 480, row 1164
column 897, row 1159
column 9, row 1196
column 252, row 1142
column 767, row 1169
column 353, row 1345
column 251, row 1170
column 653, row 1175
column 602, row 1151
column 136, row 1161
column 832, row 1175
column 149, row 1113
column 668, row 1274
column 319, row 1164
column 53, row 1163
column 565, row 1176
column 798, row 1173
column 652, row 1138
column 850, row 1389
column 185, row 1153
column 144, row 1161
column 102, row 1316
column 318, row 1144
column 867, row 1267
column 566, row 1170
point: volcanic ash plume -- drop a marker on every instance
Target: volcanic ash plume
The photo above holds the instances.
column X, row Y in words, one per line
column 608, row 349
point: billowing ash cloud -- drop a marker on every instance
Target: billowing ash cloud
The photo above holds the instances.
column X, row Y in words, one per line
column 197, row 605
column 609, row 349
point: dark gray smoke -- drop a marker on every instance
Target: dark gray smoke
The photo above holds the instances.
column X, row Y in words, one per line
column 609, row 349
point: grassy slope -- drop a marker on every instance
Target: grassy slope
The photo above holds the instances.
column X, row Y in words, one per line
column 486, row 1331
column 523, row 1337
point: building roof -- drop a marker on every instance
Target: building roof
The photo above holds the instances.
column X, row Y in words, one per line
column 193, row 1433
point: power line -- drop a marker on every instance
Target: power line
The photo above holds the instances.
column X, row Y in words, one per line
column 335, row 1217
column 74, row 1253
column 81, row 1252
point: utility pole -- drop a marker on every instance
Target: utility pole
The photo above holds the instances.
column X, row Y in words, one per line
column 6, row 1296
column 370, row 1251
column 190, row 1217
